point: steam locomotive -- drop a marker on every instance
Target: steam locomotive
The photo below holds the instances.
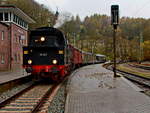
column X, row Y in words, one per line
column 48, row 54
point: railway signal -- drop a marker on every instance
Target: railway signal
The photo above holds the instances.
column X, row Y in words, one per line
column 115, row 23
column 115, row 15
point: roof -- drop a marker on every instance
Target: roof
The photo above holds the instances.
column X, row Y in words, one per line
column 100, row 55
column 50, row 32
column 4, row 24
column 17, row 11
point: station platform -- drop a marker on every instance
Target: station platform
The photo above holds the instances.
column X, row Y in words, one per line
column 92, row 89
column 12, row 75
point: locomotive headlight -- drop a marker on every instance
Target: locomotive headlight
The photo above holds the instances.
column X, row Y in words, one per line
column 54, row 61
column 61, row 52
column 25, row 52
column 29, row 61
column 42, row 39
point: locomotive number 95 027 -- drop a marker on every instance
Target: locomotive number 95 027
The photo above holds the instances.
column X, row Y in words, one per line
column 43, row 54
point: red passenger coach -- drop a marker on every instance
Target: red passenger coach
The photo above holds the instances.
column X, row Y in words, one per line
column 76, row 56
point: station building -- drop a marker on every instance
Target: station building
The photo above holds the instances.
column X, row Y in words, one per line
column 13, row 36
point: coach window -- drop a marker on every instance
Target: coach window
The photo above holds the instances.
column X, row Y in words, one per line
column 18, row 21
column 6, row 16
column 15, row 19
column 25, row 25
column 21, row 22
column 9, row 16
column 1, row 16
column 2, row 35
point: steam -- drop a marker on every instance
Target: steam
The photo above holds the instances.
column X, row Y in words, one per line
column 62, row 18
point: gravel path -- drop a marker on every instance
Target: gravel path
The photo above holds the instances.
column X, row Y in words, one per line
column 58, row 103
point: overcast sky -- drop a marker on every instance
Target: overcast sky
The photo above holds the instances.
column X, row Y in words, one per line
column 131, row 8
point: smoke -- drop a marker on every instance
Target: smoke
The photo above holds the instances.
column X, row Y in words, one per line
column 62, row 18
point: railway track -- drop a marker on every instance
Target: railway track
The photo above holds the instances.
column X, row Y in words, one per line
column 140, row 66
column 136, row 78
column 34, row 99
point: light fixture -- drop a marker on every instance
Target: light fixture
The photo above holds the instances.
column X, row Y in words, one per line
column 54, row 61
column 25, row 52
column 42, row 39
column 61, row 52
column 29, row 61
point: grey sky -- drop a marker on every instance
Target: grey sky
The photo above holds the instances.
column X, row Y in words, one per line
column 131, row 8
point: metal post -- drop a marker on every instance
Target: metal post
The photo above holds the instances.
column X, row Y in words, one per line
column 114, row 48
column 114, row 22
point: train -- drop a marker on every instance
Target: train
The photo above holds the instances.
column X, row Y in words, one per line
column 49, row 55
column 100, row 58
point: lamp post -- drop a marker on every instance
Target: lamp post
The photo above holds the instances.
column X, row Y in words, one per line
column 114, row 22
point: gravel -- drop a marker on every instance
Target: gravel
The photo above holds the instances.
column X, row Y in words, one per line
column 58, row 103
column 13, row 91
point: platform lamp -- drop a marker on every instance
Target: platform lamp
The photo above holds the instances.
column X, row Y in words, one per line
column 114, row 23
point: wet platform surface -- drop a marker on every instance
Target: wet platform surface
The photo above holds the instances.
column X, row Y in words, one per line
column 12, row 75
column 92, row 89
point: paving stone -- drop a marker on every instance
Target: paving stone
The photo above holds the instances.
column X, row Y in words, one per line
column 12, row 75
column 92, row 89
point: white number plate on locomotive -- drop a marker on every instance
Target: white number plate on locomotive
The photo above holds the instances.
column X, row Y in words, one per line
column 43, row 54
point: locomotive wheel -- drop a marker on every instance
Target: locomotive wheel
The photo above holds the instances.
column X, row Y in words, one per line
column 55, row 78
